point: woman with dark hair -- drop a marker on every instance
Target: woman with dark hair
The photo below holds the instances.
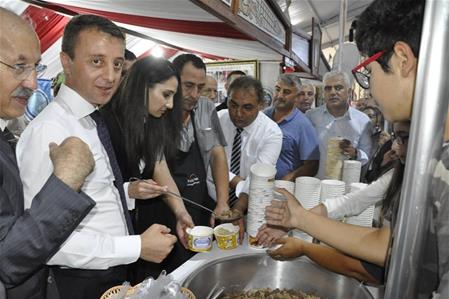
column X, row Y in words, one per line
column 144, row 121
column 383, row 157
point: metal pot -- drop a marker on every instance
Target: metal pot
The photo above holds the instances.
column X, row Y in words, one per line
column 256, row 271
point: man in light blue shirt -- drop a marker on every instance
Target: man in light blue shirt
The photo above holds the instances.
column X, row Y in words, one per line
column 337, row 119
column 300, row 154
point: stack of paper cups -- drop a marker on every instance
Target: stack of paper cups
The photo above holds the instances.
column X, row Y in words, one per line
column 331, row 189
column 289, row 186
column 363, row 219
column 351, row 173
column 260, row 196
column 307, row 191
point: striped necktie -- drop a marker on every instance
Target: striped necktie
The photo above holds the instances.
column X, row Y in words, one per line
column 103, row 135
column 235, row 162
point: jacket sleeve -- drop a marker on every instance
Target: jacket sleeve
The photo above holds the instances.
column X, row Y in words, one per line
column 28, row 240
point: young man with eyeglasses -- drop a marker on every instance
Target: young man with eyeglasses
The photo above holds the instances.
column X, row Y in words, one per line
column 337, row 119
column 390, row 74
column 28, row 238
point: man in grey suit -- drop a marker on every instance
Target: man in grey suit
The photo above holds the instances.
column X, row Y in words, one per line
column 29, row 238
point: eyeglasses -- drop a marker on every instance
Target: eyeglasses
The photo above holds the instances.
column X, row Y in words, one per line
column 362, row 77
column 400, row 137
column 22, row 71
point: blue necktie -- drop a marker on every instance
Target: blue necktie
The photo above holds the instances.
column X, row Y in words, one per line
column 235, row 163
column 105, row 139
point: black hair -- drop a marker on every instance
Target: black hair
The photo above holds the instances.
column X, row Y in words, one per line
column 386, row 22
column 130, row 55
column 180, row 61
column 145, row 136
column 236, row 72
column 379, row 115
column 248, row 84
column 392, row 196
column 83, row 22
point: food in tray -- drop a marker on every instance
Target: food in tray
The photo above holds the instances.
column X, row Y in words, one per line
column 269, row 294
column 229, row 214
column 223, row 231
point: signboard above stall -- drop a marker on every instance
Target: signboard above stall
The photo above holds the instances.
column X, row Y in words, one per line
column 259, row 13
column 262, row 20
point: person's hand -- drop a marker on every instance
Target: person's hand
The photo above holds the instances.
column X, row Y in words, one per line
column 220, row 208
column 183, row 221
column 145, row 189
column 156, row 243
column 390, row 156
column 383, row 138
column 284, row 213
column 348, row 149
column 291, row 248
column 289, row 177
column 268, row 234
column 72, row 161
column 240, row 223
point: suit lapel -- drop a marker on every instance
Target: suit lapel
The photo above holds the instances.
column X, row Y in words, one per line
column 10, row 173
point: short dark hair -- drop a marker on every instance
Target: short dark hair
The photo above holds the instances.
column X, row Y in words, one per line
column 180, row 61
column 236, row 72
column 83, row 22
column 386, row 22
column 248, row 84
column 146, row 137
column 290, row 80
column 130, row 55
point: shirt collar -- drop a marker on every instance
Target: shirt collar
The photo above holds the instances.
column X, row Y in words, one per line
column 349, row 114
column 76, row 103
column 3, row 124
column 251, row 127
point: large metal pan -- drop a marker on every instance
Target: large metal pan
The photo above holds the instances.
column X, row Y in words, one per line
column 255, row 271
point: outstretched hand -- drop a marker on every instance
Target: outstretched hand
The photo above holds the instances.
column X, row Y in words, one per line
column 291, row 248
column 284, row 213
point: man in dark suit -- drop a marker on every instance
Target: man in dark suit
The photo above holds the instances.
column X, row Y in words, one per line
column 29, row 238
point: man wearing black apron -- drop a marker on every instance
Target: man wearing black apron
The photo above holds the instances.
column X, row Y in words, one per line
column 201, row 146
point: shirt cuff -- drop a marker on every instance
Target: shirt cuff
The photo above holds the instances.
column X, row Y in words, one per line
column 242, row 187
column 128, row 247
column 331, row 207
column 131, row 202
column 231, row 176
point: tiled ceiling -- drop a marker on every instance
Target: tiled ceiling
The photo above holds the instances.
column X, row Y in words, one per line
column 326, row 12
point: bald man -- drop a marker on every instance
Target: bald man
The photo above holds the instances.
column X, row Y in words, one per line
column 210, row 89
column 29, row 238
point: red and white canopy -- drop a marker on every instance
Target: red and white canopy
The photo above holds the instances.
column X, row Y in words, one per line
column 179, row 23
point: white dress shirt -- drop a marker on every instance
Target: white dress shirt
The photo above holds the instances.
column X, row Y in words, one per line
column 354, row 126
column 261, row 143
column 101, row 240
column 356, row 202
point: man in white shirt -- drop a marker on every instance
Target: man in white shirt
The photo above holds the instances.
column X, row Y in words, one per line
column 337, row 119
column 261, row 138
column 90, row 260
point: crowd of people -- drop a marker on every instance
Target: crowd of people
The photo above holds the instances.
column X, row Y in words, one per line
column 86, row 198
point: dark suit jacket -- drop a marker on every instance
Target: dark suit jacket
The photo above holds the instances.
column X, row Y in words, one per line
column 29, row 238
